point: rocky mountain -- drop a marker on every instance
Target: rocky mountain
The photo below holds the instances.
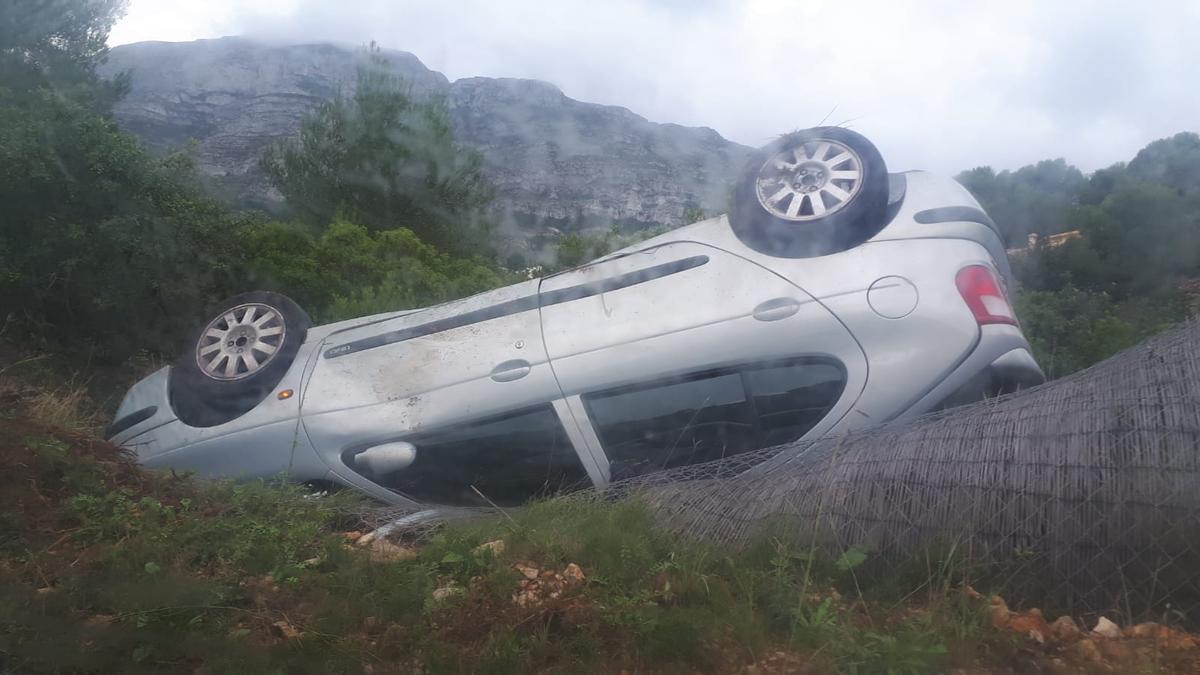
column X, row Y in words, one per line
column 556, row 162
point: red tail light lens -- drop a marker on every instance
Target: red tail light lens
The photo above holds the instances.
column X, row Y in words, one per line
column 983, row 294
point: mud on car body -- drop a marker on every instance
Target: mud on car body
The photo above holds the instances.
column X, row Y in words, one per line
column 834, row 296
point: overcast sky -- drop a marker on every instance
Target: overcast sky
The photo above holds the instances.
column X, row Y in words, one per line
column 937, row 84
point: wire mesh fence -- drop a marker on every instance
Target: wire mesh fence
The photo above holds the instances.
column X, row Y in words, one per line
column 1082, row 494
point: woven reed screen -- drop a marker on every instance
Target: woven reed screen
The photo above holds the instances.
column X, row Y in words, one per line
column 1083, row 493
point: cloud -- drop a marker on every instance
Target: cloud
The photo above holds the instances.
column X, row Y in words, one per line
column 938, row 84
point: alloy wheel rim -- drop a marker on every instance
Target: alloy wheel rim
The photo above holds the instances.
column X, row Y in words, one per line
column 809, row 181
column 240, row 342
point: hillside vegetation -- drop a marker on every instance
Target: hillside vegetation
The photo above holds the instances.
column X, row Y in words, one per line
column 1133, row 270
column 105, row 567
column 107, row 251
column 109, row 256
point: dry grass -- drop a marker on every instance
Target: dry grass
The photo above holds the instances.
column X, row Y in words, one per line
column 69, row 406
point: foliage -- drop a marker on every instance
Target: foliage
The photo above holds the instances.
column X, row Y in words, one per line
column 1033, row 198
column 348, row 271
column 575, row 249
column 383, row 159
column 694, row 214
column 156, row 572
column 1128, row 272
column 578, row 248
column 1172, row 162
column 107, row 250
column 56, row 45
column 99, row 243
column 1070, row 329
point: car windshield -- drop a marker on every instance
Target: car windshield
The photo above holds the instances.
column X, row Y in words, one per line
column 639, row 336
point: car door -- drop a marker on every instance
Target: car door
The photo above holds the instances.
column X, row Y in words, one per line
column 468, row 384
column 683, row 312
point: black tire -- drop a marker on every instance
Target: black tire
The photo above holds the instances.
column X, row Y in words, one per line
column 204, row 394
column 843, row 223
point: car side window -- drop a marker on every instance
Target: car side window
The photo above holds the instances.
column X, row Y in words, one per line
column 792, row 398
column 510, row 459
column 704, row 416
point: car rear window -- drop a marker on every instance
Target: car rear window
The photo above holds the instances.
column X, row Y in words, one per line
column 698, row 417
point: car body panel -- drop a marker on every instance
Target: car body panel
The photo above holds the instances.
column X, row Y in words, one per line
column 702, row 317
column 691, row 299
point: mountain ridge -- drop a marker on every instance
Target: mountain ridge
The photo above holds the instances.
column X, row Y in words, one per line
column 555, row 161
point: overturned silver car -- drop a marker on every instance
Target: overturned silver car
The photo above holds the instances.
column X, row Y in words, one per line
column 834, row 296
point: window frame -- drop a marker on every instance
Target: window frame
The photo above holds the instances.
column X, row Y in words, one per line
column 567, row 427
column 740, row 368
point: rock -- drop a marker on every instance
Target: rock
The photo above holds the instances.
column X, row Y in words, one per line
column 1115, row 651
column 550, row 157
column 446, row 592
column 383, row 550
column 573, row 574
column 496, row 547
column 1086, row 649
column 537, row 586
column 1064, row 629
column 527, row 598
column 1107, row 629
column 285, row 630
column 1145, row 630
column 1169, row 638
column 998, row 610
column 1031, row 624
column 1178, row 640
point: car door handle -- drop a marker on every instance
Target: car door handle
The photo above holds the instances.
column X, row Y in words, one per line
column 776, row 309
column 511, row 370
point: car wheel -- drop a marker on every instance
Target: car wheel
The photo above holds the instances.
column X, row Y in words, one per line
column 237, row 358
column 810, row 193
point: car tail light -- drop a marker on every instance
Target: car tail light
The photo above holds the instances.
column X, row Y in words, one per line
column 981, row 290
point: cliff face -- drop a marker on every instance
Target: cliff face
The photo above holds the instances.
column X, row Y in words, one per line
column 555, row 161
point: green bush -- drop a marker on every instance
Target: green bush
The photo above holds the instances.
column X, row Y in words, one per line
column 387, row 160
column 348, row 271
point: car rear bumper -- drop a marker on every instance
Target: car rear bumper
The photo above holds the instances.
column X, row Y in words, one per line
column 1001, row 363
column 1012, row 371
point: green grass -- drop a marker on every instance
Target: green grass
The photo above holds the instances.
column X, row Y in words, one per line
column 105, row 568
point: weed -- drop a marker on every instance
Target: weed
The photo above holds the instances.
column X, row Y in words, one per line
column 902, row 653
column 69, row 406
column 150, row 572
